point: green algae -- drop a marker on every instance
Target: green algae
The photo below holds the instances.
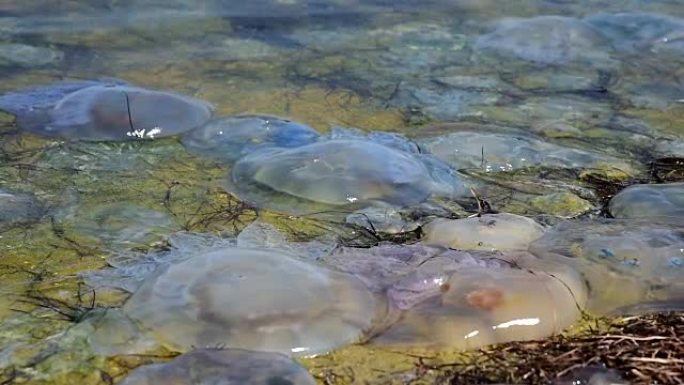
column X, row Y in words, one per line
column 41, row 259
column 666, row 122
column 562, row 204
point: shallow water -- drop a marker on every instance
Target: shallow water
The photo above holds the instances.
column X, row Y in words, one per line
column 540, row 108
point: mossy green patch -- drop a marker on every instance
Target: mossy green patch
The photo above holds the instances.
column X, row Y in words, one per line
column 562, row 204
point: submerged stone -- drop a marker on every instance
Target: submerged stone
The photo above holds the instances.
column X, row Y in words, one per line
column 222, row 367
column 23, row 55
column 17, row 207
column 649, row 201
column 487, row 232
column 339, row 173
column 121, row 224
column 562, row 204
column 260, row 299
column 625, row 262
column 506, row 152
column 87, row 157
column 233, row 137
column 544, row 40
column 99, row 111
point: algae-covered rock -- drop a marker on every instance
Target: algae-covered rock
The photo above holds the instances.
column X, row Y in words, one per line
column 23, row 55
column 121, row 224
column 18, row 207
column 562, row 204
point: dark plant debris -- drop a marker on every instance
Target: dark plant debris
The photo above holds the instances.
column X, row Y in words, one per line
column 647, row 349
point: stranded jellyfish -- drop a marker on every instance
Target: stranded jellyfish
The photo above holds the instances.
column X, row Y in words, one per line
column 487, row 232
column 340, row 173
column 625, row 262
column 448, row 298
column 233, row 137
column 250, row 298
column 100, row 111
column 222, row 367
column 649, row 201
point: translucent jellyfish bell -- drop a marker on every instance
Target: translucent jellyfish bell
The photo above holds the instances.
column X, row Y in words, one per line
column 104, row 111
column 625, row 262
column 485, row 303
column 337, row 173
column 544, row 40
column 231, row 138
column 649, row 201
column 488, row 232
column 455, row 299
column 222, row 367
column 258, row 299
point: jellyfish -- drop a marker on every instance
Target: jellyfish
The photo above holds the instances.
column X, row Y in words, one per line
column 105, row 110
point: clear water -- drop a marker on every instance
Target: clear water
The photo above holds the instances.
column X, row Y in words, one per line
column 605, row 86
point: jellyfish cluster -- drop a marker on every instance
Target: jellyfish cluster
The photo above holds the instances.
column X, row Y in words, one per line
column 241, row 307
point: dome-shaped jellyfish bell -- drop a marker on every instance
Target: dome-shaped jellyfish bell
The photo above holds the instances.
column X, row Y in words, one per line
column 481, row 305
column 256, row 299
column 100, row 111
column 222, row 367
column 338, row 173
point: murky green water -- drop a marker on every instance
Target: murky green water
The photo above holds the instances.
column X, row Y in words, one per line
column 543, row 108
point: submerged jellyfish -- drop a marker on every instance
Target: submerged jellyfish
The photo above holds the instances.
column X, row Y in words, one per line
column 506, row 152
column 625, row 262
column 100, row 111
column 487, row 232
column 450, row 298
column 252, row 298
column 233, row 137
column 637, row 31
column 649, row 201
column 340, row 173
column 544, row 40
column 222, row 367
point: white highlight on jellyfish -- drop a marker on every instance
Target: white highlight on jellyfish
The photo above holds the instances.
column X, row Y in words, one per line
column 518, row 322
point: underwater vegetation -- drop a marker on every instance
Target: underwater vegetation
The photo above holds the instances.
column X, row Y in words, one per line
column 299, row 192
